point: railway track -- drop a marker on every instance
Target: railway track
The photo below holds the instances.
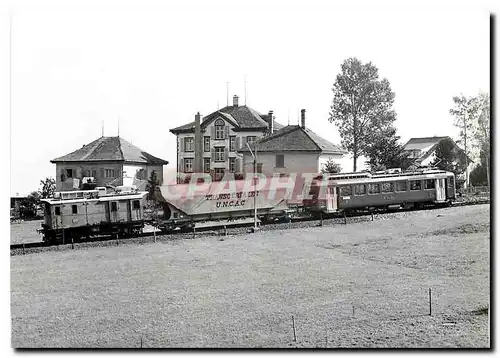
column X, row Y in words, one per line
column 352, row 217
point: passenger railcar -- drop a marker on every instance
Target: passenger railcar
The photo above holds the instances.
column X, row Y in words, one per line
column 383, row 190
column 76, row 214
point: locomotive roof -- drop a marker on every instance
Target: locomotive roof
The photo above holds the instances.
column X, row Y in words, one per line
column 113, row 197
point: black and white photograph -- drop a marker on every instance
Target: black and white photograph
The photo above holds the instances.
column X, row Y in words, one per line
column 306, row 175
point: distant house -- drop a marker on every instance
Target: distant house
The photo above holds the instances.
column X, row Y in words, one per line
column 422, row 150
column 210, row 144
column 107, row 161
column 292, row 149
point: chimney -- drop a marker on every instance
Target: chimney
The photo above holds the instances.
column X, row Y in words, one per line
column 198, row 145
column 235, row 101
column 270, row 122
column 303, row 118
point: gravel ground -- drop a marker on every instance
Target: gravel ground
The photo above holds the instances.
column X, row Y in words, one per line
column 359, row 285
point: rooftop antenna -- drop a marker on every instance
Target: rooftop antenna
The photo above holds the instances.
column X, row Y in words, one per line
column 245, row 89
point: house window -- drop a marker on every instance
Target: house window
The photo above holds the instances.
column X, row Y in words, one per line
column 137, row 204
column 429, row 184
column 219, row 154
column 74, row 209
column 232, row 164
column 415, row 185
column 188, row 165
column 401, row 186
column 57, row 210
column 114, row 206
column 206, row 165
column 387, row 187
column 346, row 190
column 232, row 143
column 94, row 173
column 69, row 173
column 219, row 173
column 109, row 173
column 360, row 189
column 373, row 188
column 206, row 144
column 189, row 144
column 251, row 139
column 280, row 161
column 219, row 129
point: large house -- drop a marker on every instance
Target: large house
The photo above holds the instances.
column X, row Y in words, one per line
column 210, row 144
column 107, row 161
column 292, row 149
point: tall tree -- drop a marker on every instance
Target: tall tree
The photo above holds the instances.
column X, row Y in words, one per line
column 482, row 131
column 361, row 102
column 465, row 111
column 48, row 187
column 386, row 152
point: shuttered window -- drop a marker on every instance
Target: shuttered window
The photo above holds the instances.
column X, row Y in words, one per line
column 206, row 165
column 219, row 154
column 206, row 144
column 188, row 165
column 232, row 164
column 219, row 129
column 232, row 143
column 189, row 144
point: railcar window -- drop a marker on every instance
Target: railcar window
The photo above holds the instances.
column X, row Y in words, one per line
column 387, row 187
column 429, row 184
column 360, row 189
column 373, row 188
column 74, row 209
column 57, row 210
column 345, row 190
column 415, row 185
column 114, row 206
column 137, row 204
column 401, row 186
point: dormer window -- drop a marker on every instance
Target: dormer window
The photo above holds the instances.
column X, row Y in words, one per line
column 219, row 129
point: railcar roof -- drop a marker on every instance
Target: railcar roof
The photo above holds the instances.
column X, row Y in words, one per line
column 385, row 179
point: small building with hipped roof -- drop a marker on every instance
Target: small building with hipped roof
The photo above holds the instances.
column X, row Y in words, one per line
column 107, row 161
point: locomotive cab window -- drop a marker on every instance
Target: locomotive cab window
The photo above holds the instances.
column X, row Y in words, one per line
column 415, row 185
column 74, row 209
column 137, row 204
column 429, row 184
column 114, row 206
column 360, row 189
column 387, row 187
column 401, row 186
column 345, row 190
column 373, row 188
column 57, row 210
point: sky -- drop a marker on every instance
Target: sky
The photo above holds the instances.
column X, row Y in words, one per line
column 153, row 66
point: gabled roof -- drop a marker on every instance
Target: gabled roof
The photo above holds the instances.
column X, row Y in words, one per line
column 110, row 149
column 421, row 143
column 242, row 117
column 295, row 138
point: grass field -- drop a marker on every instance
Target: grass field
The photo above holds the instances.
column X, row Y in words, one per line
column 360, row 285
column 25, row 232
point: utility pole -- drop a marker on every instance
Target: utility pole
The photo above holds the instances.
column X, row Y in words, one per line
column 254, row 155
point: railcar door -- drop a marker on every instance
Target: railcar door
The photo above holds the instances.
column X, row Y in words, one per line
column 440, row 190
column 331, row 199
